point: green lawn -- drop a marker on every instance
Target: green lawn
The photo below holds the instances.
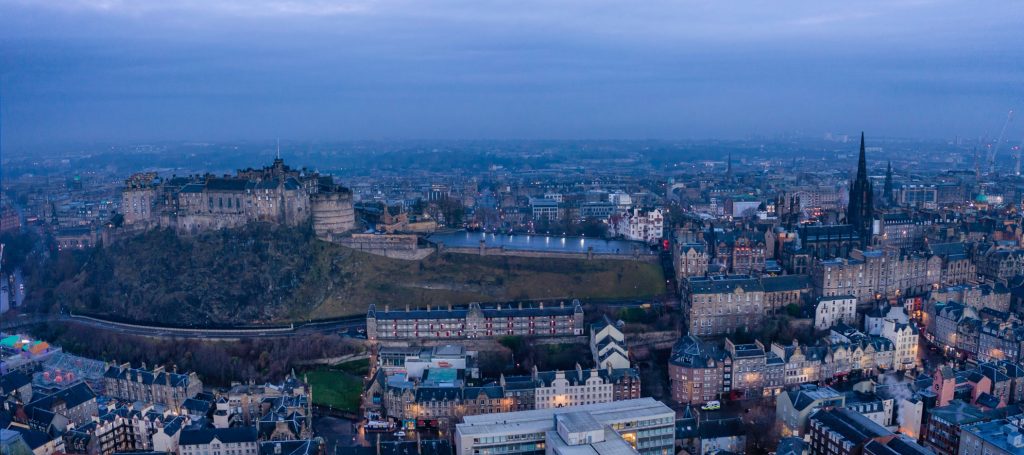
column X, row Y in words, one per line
column 337, row 389
column 356, row 367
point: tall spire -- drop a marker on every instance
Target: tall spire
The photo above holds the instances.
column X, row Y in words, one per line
column 862, row 162
column 887, row 190
column 860, row 210
column 728, row 167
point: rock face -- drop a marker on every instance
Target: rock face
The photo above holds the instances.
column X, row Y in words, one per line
column 333, row 212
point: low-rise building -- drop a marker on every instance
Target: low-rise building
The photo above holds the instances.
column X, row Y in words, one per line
column 997, row 437
column 793, row 407
column 218, row 441
column 645, row 424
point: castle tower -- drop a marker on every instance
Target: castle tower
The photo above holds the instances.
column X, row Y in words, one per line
column 333, row 212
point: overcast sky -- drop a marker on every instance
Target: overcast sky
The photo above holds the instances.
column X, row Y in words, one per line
column 122, row 70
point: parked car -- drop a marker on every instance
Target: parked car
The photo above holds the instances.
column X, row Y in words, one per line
column 712, row 405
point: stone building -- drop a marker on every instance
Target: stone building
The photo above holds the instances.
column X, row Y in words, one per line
column 957, row 266
column 1001, row 264
column 691, row 259
column 780, row 291
column 475, row 321
column 156, row 386
column 720, row 305
column 834, row 309
column 870, row 274
column 275, row 194
column 697, row 371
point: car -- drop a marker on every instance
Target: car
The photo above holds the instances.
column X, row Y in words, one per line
column 400, row 433
column 712, row 405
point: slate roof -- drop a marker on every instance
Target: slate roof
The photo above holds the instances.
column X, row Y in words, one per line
column 226, row 184
column 225, row 435
column 691, row 352
column 721, row 428
column 297, row 447
column 13, row 381
column 988, row 400
column 958, row 412
column 34, row 438
column 72, row 396
column 721, row 285
column 686, row 425
column 579, row 377
column 850, row 425
column 195, row 406
column 147, row 377
column 955, row 250
column 791, row 446
column 786, row 283
column 805, row 396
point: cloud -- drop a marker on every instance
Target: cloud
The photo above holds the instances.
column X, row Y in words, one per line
column 476, row 68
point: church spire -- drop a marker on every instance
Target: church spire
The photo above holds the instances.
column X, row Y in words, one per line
column 860, row 210
column 728, row 167
column 862, row 162
column 887, row 190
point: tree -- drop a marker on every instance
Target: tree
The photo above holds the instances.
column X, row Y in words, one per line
column 793, row 310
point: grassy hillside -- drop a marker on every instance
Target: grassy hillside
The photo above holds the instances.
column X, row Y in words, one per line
column 261, row 273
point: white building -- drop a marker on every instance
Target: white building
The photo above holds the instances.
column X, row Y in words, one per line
column 639, row 225
column 622, row 201
column 875, row 319
column 608, row 345
column 904, row 337
column 645, row 424
column 830, row 310
column 579, row 387
column 218, row 441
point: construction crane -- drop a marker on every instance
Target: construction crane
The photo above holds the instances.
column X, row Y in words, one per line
column 995, row 149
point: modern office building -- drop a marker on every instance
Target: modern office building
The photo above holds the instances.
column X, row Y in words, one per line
column 645, row 424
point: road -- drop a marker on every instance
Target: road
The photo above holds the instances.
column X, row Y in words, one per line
column 346, row 325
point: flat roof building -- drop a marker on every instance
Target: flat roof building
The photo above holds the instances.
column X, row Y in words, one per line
column 645, row 425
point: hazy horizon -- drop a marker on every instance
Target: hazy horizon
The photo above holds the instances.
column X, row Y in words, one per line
column 117, row 71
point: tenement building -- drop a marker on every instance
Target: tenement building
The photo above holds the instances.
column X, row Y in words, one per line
column 869, row 274
column 151, row 386
column 718, row 305
column 475, row 321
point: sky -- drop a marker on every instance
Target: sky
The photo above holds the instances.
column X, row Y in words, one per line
column 334, row 70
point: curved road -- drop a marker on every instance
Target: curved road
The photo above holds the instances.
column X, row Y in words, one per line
column 15, row 322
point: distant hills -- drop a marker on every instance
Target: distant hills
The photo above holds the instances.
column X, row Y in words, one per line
column 262, row 273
